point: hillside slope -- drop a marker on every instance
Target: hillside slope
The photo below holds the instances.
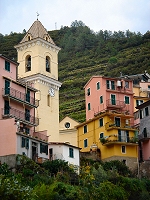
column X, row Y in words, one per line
column 84, row 54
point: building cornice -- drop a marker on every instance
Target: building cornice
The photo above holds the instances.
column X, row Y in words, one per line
column 39, row 42
column 45, row 80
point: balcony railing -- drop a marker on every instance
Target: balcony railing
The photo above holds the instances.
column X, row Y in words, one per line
column 41, row 135
column 21, row 116
column 124, row 126
column 118, row 139
column 110, row 103
column 19, row 96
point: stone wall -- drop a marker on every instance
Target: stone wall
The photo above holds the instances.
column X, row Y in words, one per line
column 9, row 160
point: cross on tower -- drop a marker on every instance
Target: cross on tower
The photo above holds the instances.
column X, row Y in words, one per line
column 37, row 15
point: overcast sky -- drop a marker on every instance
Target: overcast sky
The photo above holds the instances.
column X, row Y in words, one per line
column 113, row 15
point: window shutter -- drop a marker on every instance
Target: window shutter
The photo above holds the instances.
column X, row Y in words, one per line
column 46, row 149
column 127, row 133
column 27, row 143
column 23, row 142
column 119, row 135
column 41, row 147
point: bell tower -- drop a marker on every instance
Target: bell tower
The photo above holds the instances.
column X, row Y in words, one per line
column 38, row 65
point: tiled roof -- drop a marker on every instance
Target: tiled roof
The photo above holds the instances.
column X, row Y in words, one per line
column 37, row 30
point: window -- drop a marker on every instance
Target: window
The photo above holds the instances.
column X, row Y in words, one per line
column 101, row 135
column 27, row 114
column 139, row 102
column 67, row 125
column 113, row 99
column 89, row 106
column 28, row 63
column 71, row 153
column 141, row 114
column 6, row 107
column 123, row 136
column 146, row 111
column 7, row 65
column 98, row 85
column 44, row 148
column 110, row 85
column 47, row 64
column 48, row 100
column 7, row 87
column 124, row 161
column 85, row 143
column 117, row 121
column 85, row 129
column 145, row 132
column 123, row 149
column 88, row 92
column 126, row 84
column 101, row 122
column 148, row 87
column 27, row 130
column 28, row 96
column 101, row 99
column 127, row 100
column 25, row 143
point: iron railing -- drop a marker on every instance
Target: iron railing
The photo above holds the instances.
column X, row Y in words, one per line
column 115, row 103
column 22, row 97
column 19, row 115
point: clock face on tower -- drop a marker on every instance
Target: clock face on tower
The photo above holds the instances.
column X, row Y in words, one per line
column 51, row 91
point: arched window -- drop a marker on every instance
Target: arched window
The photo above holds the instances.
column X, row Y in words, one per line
column 28, row 63
column 47, row 64
column 29, row 38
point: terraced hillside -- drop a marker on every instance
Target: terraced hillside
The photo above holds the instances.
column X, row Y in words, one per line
column 85, row 53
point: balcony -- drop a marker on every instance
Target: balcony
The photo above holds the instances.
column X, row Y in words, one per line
column 144, row 136
column 115, row 104
column 118, row 139
column 41, row 135
column 20, row 97
column 26, row 118
column 122, row 126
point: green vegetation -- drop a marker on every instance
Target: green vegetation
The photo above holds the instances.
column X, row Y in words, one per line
column 85, row 53
column 56, row 180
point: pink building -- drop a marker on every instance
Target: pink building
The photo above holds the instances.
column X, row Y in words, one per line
column 104, row 93
column 17, row 116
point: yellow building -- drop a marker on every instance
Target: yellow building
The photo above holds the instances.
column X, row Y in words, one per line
column 112, row 136
column 38, row 66
column 68, row 131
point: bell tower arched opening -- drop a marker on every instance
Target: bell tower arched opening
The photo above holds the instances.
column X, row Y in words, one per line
column 28, row 63
column 47, row 63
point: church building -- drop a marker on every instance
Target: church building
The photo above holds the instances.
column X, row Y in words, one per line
column 38, row 66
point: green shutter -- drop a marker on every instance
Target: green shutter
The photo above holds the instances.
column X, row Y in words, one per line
column 119, row 135
column 101, row 122
column 23, row 142
column 27, row 143
column 127, row 133
column 7, row 65
column 41, row 148
column 46, row 149
column 112, row 85
column 126, row 100
column 107, row 84
column 113, row 99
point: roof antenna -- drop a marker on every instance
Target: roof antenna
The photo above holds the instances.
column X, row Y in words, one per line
column 37, row 15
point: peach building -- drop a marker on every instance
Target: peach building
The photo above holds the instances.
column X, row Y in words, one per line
column 17, row 115
column 102, row 93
